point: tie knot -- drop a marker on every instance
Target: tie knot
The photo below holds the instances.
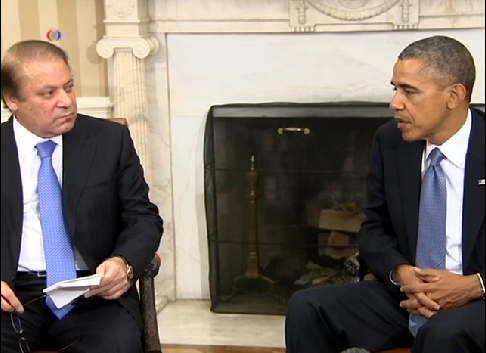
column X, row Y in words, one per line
column 45, row 149
column 436, row 157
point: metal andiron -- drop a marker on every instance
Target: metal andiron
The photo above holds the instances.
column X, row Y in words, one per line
column 253, row 273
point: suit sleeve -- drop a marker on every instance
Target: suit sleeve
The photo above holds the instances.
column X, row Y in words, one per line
column 378, row 244
column 141, row 226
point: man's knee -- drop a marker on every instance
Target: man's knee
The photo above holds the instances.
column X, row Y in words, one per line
column 125, row 335
column 445, row 327
column 130, row 342
column 98, row 326
column 299, row 304
column 305, row 307
column 439, row 330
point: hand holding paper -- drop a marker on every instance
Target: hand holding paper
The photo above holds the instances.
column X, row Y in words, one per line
column 114, row 282
column 63, row 293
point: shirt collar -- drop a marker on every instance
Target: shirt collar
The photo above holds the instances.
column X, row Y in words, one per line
column 455, row 148
column 27, row 141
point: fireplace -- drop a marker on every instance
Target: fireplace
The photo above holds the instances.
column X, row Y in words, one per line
column 284, row 195
column 193, row 54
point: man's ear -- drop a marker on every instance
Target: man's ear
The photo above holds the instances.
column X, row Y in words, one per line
column 10, row 101
column 457, row 94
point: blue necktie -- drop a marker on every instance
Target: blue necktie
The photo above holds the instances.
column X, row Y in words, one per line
column 431, row 239
column 59, row 253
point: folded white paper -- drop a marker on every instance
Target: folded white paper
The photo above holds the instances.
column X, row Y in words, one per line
column 63, row 293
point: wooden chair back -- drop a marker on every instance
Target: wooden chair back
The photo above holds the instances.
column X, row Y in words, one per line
column 122, row 121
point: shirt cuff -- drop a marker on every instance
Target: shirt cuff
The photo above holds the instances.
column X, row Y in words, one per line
column 393, row 280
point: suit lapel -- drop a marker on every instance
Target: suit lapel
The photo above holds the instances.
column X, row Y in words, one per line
column 12, row 197
column 409, row 160
column 474, row 200
column 78, row 152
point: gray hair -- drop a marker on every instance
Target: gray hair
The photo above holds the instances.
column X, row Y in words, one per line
column 446, row 59
column 355, row 350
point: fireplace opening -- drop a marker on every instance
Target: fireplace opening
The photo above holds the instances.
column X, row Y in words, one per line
column 285, row 188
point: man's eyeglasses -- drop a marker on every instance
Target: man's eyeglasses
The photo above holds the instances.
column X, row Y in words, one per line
column 17, row 326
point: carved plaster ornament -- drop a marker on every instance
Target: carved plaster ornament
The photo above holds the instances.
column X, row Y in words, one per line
column 121, row 8
column 353, row 4
column 352, row 10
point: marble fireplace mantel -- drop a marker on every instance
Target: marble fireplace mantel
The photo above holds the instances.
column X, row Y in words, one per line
column 170, row 60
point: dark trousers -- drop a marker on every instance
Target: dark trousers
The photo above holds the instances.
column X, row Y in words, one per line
column 367, row 315
column 95, row 325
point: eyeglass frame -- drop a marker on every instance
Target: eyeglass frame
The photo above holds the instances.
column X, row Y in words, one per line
column 20, row 330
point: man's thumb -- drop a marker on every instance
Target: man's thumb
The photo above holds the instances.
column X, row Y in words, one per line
column 101, row 269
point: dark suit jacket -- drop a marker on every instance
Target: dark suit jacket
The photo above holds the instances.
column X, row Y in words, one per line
column 105, row 198
column 388, row 237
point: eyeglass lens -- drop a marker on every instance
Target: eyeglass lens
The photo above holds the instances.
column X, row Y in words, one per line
column 17, row 326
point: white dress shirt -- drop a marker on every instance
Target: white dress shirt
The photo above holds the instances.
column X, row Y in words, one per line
column 453, row 164
column 32, row 256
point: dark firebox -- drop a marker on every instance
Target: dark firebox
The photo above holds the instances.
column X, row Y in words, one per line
column 285, row 189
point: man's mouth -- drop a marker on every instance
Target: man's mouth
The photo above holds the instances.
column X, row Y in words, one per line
column 402, row 120
column 65, row 116
column 402, row 123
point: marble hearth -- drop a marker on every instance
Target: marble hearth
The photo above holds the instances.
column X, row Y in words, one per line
column 171, row 60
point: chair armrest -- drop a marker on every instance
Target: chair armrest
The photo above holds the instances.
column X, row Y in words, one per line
column 147, row 302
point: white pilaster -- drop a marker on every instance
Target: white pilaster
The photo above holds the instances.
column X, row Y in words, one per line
column 126, row 45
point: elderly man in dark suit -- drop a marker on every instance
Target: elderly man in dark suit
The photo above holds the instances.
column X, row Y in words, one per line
column 424, row 234
column 74, row 202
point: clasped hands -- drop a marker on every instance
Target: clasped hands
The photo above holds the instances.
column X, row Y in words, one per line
column 429, row 291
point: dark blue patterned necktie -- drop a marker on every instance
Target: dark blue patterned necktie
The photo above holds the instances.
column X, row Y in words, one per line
column 59, row 253
column 431, row 239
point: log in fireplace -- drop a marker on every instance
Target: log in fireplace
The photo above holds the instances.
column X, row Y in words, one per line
column 284, row 195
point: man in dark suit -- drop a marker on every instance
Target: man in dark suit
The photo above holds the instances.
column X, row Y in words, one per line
column 424, row 234
column 100, row 222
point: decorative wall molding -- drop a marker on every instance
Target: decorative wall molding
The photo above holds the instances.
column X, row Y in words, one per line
column 217, row 16
column 310, row 15
column 373, row 15
column 100, row 107
column 350, row 10
column 140, row 47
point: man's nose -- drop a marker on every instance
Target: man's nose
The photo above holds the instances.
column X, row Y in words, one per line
column 397, row 102
column 65, row 99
